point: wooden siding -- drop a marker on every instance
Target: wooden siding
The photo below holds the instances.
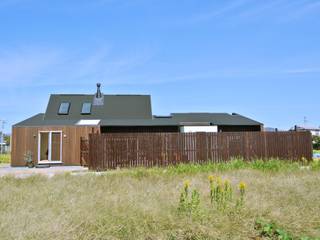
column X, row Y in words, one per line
column 26, row 139
column 109, row 151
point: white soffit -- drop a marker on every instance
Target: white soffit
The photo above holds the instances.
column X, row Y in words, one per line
column 189, row 129
column 88, row 122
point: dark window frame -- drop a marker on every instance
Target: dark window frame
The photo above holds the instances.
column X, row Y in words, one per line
column 68, row 110
column 86, row 113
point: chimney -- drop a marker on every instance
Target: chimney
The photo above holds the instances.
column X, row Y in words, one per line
column 98, row 99
column 98, row 94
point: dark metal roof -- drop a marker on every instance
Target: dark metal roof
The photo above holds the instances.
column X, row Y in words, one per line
column 38, row 120
column 176, row 119
column 115, row 107
column 214, row 118
column 126, row 110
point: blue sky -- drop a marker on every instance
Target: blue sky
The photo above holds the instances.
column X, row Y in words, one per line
column 257, row 58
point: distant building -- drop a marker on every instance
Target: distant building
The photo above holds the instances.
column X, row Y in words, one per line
column 3, row 145
column 270, row 129
column 315, row 131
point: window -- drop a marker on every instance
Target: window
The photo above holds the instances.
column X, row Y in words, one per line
column 86, row 108
column 64, row 108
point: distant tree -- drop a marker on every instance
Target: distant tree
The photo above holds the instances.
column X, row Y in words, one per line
column 316, row 142
column 7, row 139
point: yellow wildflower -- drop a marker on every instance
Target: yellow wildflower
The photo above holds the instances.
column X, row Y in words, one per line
column 242, row 186
column 211, row 178
column 186, row 184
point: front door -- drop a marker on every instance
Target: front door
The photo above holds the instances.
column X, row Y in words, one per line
column 50, row 147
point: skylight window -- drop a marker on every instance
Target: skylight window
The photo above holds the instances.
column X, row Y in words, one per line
column 86, row 108
column 64, row 108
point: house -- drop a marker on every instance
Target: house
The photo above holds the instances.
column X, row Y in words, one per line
column 53, row 137
column 315, row 131
column 3, row 144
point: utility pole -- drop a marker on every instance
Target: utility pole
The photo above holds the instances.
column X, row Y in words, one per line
column 305, row 121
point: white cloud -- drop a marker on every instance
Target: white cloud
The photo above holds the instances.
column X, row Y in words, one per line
column 34, row 66
column 303, row 70
column 38, row 67
column 304, row 9
column 217, row 12
column 237, row 11
column 24, row 65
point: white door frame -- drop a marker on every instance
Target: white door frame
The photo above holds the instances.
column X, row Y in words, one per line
column 49, row 147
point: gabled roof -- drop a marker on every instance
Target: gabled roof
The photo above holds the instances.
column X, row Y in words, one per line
column 115, row 107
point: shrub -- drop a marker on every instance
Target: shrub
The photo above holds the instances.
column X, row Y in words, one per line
column 316, row 142
column 28, row 159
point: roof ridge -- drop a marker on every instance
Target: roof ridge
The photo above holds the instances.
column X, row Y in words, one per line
column 79, row 94
column 200, row 113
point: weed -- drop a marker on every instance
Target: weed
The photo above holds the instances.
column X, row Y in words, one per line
column 189, row 204
column 242, row 190
column 221, row 193
column 5, row 158
column 272, row 231
column 315, row 164
column 228, row 190
column 218, row 192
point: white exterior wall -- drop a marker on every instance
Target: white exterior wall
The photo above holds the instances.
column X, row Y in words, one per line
column 315, row 132
column 189, row 129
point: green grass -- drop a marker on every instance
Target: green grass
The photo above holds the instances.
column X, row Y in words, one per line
column 142, row 203
column 5, row 158
column 273, row 165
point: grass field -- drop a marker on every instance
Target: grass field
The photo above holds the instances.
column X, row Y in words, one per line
column 4, row 158
column 143, row 203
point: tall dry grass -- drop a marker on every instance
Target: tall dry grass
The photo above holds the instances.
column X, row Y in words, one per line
column 122, row 205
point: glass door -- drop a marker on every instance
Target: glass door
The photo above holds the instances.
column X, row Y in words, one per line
column 56, row 146
column 44, row 146
column 50, row 147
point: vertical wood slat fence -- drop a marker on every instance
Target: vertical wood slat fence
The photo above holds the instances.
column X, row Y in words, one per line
column 109, row 151
column 84, row 151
